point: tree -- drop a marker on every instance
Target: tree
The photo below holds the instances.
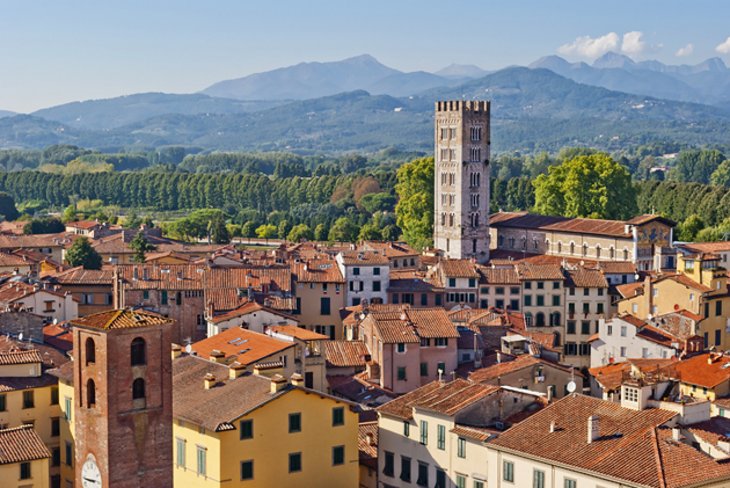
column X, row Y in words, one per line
column 697, row 165
column 369, row 232
column 7, row 207
column 248, row 229
column 141, row 246
column 217, row 230
column 687, row 230
column 343, row 230
column 283, row 229
column 414, row 210
column 266, row 231
column 593, row 186
column 44, row 225
column 721, row 176
column 320, row 232
column 82, row 254
column 300, row 232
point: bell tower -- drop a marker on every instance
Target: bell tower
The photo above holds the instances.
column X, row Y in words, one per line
column 122, row 399
column 461, row 197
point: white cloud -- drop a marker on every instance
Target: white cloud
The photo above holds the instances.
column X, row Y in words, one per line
column 685, row 51
column 633, row 44
column 724, row 48
column 589, row 47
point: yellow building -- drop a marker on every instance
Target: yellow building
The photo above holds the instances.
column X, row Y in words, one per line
column 320, row 294
column 29, row 396
column 66, row 402
column 235, row 429
column 704, row 377
column 23, row 458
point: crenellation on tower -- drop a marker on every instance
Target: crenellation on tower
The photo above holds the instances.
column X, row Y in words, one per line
column 461, row 197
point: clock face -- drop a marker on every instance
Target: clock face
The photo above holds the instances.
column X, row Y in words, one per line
column 90, row 474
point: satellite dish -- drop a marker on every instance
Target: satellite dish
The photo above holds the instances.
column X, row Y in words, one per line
column 20, row 336
column 188, row 349
column 571, row 387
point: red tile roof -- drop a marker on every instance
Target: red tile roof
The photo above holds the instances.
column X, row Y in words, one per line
column 364, row 258
column 318, row 271
column 345, row 354
column 241, row 345
column 612, row 228
column 541, row 272
column 367, row 443
column 519, row 363
column 458, row 268
column 297, row 332
column 81, row 276
column 586, row 278
column 406, row 324
column 28, row 356
column 21, row 444
column 120, row 319
column 697, row 371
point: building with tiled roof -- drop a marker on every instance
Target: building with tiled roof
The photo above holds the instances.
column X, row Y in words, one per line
column 93, row 288
column 267, row 422
column 24, row 458
column 238, row 346
column 41, row 300
column 444, row 427
column 705, row 376
column 588, row 239
column 367, row 276
column 251, row 315
column 319, row 294
column 121, row 319
column 345, row 357
column 606, row 380
column 367, row 444
column 50, row 245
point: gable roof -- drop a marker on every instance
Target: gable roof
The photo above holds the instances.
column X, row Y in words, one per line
column 408, row 325
column 120, row 319
column 612, row 228
column 698, row 371
column 344, row 354
column 21, row 444
column 241, row 345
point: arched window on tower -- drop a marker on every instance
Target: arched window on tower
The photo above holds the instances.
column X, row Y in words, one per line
column 139, row 352
column 611, row 252
column 598, row 251
column 572, row 248
column 138, row 388
column 626, row 254
column 90, row 393
column 451, row 220
column 90, row 352
column 585, row 249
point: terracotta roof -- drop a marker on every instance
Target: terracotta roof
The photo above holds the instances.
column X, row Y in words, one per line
column 344, row 354
column 28, row 356
column 630, row 290
column 162, row 276
column 686, row 281
column 81, row 276
column 390, row 249
column 499, row 276
column 246, row 308
column 697, row 371
column 713, row 430
column 120, row 319
column 367, row 443
column 21, row 444
column 658, row 336
column 497, row 370
column 476, row 433
column 409, row 325
column 83, row 224
column 458, row 268
column 49, row 355
column 617, row 267
column 241, row 345
column 682, row 465
column 297, row 332
column 586, row 278
column 646, row 218
column 626, row 448
column 364, row 258
column 318, row 271
column 272, row 278
column 722, row 246
column 540, row 272
column 59, row 336
column 610, row 376
column 612, row 228
column 35, row 240
column 12, row 260
column 447, row 398
column 65, row 372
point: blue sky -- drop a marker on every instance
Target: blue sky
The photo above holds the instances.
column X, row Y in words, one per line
column 54, row 51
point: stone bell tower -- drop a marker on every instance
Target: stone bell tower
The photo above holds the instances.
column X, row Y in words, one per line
column 461, row 197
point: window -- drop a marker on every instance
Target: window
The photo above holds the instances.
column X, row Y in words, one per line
column 356, row 271
column 644, row 352
column 570, row 327
column 556, row 300
column 324, row 306
column 69, row 407
column 3, row 402
column 538, row 479
column 586, row 308
column 441, row 437
column 295, row 422
column 405, row 469
column 442, row 367
column 138, row 388
column 338, row 455
column 424, row 299
column 478, row 484
column 295, row 462
column 24, row 471
column 540, row 300
column 508, row 471
column 246, row 429
column 54, row 395
column 609, row 330
column 376, row 270
column 139, row 354
column 623, row 331
column 400, row 347
column 718, row 308
column 70, row 454
column 388, row 464
column 163, row 297
column 401, row 373
column 570, row 483
column 422, row 474
column 424, row 369
column 556, row 285
column 473, row 283
column 338, row 416
column 718, row 336
column 461, row 447
column 90, row 351
column 585, row 327
column 56, row 456
column 180, row 452
column 528, row 300
column 452, row 282
column 201, row 457
column 247, row 470
column 406, row 428
column 599, row 308
column 441, row 342
column 146, row 295
column 55, row 427
column 376, row 286
column 623, row 351
column 460, row 481
column 424, row 432
column 440, row 478
column 90, row 393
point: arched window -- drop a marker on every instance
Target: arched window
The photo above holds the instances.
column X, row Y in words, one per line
column 585, row 249
column 524, row 243
column 90, row 351
column 626, row 254
column 560, row 247
column 139, row 353
column 555, row 319
column 572, row 248
column 528, row 319
column 443, row 218
column 500, row 241
column 611, row 252
column 598, row 251
column 451, row 220
column 539, row 319
column 138, row 389
column 90, row 393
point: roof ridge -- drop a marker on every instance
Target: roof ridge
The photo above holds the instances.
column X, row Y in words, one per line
column 658, row 456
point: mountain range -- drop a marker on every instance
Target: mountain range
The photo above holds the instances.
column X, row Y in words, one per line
column 361, row 104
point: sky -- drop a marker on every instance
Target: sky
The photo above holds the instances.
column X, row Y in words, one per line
column 54, row 52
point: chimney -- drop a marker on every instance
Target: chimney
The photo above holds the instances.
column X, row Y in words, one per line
column 176, row 351
column 217, row 356
column 549, row 395
column 499, row 357
column 209, row 381
column 236, row 370
column 676, row 434
column 297, row 379
column 593, row 428
column 552, row 426
column 278, row 383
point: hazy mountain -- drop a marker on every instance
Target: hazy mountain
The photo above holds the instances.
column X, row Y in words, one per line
column 115, row 112
column 404, row 84
column 6, row 113
column 304, row 80
column 707, row 82
column 531, row 108
column 461, row 71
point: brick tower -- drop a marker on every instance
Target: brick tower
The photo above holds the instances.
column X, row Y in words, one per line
column 122, row 399
column 461, row 179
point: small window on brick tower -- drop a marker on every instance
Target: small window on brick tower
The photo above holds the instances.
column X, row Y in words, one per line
column 90, row 351
column 138, row 389
column 90, row 393
column 139, row 355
